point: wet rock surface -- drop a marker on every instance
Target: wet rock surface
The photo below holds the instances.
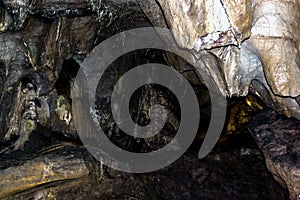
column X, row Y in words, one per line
column 279, row 139
column 234, row 169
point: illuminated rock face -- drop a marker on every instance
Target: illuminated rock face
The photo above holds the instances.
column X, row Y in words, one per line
column 253, row 39
column 250, row 40
column 255, row 44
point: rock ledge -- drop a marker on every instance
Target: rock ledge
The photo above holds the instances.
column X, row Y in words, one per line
column 279, row 139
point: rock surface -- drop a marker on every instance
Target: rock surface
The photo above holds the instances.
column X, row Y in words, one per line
column 37, row 38
column 234, row 39
column 253, row 39
column 243, row 44
column 279, row 139
column 234, row 170
column 34, row 48
column 55, row 163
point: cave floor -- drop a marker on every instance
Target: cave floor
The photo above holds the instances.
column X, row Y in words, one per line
column 235, row 169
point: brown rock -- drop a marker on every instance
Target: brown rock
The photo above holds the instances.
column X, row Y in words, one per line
column 57, row 163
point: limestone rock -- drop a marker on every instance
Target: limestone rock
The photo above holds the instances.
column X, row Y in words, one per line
column 275, row 33
column 254, row 39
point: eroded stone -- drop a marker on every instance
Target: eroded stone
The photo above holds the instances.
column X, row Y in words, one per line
column 56, row 163
column 279, row 137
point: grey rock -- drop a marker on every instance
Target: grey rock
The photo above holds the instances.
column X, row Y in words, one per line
column 279, row 137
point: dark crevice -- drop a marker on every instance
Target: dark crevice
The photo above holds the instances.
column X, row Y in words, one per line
column 67, row 74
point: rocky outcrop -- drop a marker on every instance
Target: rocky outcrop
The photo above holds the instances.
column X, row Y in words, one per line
column 227, row 173
column 248, row 46
column 257, row 47
column 239, row 35
column 55, row 163
column 36, row 40
column 279, row 137
column 252, row 39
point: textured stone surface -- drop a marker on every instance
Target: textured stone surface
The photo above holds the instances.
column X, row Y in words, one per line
column 254, row 40
column 56, row 163
column 37, row 37
column 232, row 171
column 279, row 139
column 33, row 51
column 275, row 33
column 237, row 41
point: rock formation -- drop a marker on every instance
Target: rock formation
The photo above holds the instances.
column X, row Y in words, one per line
column 256, row 44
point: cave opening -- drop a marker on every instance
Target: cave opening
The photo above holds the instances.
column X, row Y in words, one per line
column 234, row 169
column 235, row 157
column 67, row 74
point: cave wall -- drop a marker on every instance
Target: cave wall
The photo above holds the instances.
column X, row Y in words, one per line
column 245, row 45
column 36, row 39
column 256, row 39
column 255, row 43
